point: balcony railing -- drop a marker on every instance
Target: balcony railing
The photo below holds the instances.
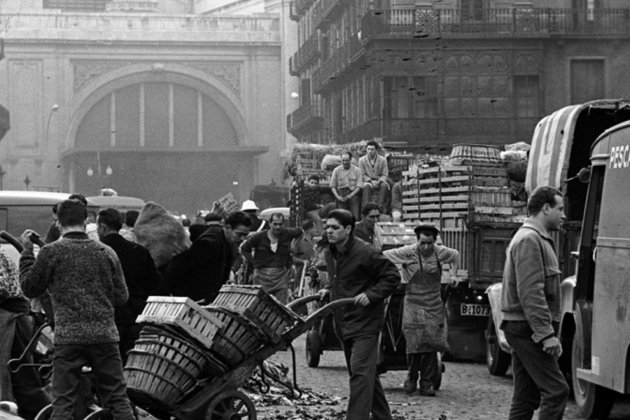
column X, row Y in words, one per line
column 305, row 117
column 338, row 62
column 442, row 130
column 324, row 12
column 514, row 22
column 305, row 56
column 300, row 7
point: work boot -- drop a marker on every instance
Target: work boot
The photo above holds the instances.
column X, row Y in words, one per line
column 410, row 386
column 427, row 391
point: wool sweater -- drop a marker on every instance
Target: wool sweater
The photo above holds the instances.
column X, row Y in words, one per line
column 85, row 281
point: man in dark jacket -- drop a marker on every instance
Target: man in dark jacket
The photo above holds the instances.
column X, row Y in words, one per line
column 358, row 271
column 141, row 276
column 201, row 270
column 365, row 228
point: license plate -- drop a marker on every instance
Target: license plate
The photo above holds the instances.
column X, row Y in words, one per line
column 474, row 309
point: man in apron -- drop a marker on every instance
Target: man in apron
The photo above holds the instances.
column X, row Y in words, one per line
column 423, row 315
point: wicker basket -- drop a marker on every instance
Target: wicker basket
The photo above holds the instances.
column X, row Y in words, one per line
column 271, row 316
column 163, row 366
column 237, row 339
column 182, row 313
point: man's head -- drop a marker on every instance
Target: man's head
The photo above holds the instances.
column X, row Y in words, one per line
column 426, row 235
column 71, row 214
column 372, row 148
column 346, row 159
column 108, row 221
column 249, row 207
column 276, row 222
column 371, row 212
column 308, row 226
column 237, row 227
column 79, row 197
column 546, row 204
column 339, row 226
column 313, row 181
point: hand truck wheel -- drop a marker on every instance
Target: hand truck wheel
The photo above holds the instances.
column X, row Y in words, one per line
column 229, row 405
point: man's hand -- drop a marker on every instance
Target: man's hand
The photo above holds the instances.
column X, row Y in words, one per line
column 25, row 238
column 361, row 300
column 552, row 346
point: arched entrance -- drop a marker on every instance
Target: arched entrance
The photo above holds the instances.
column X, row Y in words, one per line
column 165, row 139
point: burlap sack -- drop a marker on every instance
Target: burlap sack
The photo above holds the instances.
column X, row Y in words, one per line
column 160, row 233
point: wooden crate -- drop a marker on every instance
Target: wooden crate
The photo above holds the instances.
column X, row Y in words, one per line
column 237, row 339
column 182, row 313
column 389, row 235
column 162, row 368
column 271, row 316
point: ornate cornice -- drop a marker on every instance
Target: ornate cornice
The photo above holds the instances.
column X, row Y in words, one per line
column 230, row 73
column 227, row 72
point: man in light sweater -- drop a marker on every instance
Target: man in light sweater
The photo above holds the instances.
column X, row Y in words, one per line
column 375, row 172
column 85, row 281
column 530, row 302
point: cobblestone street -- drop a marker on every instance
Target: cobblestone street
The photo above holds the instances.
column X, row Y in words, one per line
column 468, row 391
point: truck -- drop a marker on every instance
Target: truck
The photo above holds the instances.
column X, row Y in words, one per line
column 584, row 150
column 445, row 195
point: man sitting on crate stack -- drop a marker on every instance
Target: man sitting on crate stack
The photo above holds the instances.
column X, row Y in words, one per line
column 86, row 283
column 375, row 174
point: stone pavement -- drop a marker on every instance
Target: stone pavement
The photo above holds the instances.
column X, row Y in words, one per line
column 468, row 392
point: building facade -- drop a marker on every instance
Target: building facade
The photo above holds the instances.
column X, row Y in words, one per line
column 424, row 74
column 164, row 100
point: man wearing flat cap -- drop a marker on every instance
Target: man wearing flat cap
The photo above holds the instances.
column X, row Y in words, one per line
column 423, row 313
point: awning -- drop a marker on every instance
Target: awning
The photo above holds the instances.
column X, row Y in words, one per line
column 4, row 121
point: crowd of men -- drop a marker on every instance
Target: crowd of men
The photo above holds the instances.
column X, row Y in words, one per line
column 98, row 287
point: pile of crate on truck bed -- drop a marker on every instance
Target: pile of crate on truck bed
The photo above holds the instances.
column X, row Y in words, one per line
column 470, row 186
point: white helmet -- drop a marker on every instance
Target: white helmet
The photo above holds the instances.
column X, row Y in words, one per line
column 249, row 205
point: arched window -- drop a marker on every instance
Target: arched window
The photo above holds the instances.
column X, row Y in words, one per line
column 156, row 116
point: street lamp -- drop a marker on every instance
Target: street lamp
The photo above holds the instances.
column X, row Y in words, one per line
column 99, row 172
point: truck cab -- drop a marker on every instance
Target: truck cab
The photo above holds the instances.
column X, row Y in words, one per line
column 600, row 346
column 560, row 150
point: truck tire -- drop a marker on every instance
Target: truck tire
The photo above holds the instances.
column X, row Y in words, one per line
column 593, row 401
column 313, row 348
column 497, row 360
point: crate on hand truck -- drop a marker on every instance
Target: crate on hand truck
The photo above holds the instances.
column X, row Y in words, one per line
column 175, row 367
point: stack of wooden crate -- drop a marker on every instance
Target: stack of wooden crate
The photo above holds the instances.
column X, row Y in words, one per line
column 451, row 196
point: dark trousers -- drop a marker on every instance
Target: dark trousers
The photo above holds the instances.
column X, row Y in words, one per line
column 538, row 381
column 353, row 205
column 423, row 365
column 104, row 359
column 383, row 188
column 366, row 393
column 28, row 388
